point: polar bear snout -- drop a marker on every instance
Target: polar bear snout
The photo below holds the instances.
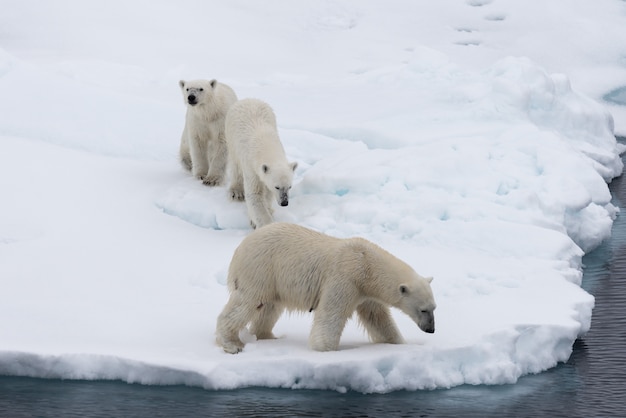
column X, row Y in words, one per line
column 426, row 322
column 282, row 196
column 192, row 99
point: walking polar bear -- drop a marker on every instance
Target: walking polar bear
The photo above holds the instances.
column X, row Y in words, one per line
column 259, row 170
column 203, row 148
column 286, row 266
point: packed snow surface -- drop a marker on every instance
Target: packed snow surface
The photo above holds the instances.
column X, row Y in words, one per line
column 468, row 138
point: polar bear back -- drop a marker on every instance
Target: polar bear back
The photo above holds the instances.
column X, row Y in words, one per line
column 269, row 264
column 252, row 134
column 292, row 265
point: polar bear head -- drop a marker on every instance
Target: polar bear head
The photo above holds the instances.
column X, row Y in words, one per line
column 278, row 179
column 417, row 301
column 197, row 92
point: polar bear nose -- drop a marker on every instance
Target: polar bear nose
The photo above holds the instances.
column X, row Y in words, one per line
column 283, row 198
column 191, row 99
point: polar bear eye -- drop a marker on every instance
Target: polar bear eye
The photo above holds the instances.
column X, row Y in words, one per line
column 201, row 89
column 404, row 290
column 277, row 188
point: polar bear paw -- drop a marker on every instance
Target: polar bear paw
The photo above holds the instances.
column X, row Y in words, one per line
column 211, row 180
column 231, row 347
column 237, row 194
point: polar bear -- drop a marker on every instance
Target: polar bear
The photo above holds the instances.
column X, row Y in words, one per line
column 286, row 266
column 258, row 168
column 203, row 148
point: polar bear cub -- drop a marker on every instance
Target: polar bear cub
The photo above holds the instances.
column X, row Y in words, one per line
column 286, row 266
column 259, row 170
column 203, row 147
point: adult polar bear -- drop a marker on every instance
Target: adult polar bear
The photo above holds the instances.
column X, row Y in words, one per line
column 259, row 170
column 286, row 266
column 203, row 145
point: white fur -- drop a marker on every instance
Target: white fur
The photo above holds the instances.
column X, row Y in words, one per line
column 203, row 147
column 286, row 266
column 259, row 170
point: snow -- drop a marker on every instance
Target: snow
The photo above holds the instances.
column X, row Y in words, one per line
column 469, row 138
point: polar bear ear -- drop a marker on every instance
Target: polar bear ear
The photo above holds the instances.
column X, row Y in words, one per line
column 181, row 83
column 293, row 165
column 213, row 83
column 429, row 279
column 265, row 168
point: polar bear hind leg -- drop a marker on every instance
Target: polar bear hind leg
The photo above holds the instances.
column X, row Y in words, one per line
column 263, row 324
column 234, row 317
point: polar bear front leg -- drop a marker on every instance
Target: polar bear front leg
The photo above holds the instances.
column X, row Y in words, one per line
column 236, row 190
column 217, row 155
column 331, row 315
column 377, row 320
column 199, row 161
column 268, row 198
column 255, row 200
column 183, row 151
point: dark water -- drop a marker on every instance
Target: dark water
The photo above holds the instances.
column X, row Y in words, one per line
column 591, row 384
